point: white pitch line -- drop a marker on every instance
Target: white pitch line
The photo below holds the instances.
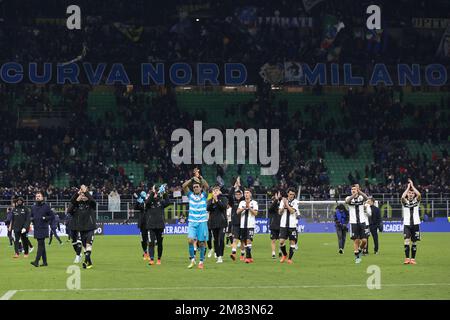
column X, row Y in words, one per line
column 8, row 295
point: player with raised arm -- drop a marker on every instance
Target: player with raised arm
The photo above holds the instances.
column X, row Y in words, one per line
column 411, row 221
column 155, row 222
column 248, row 210
column 289, row 211
column 359, row 228
column 234, row 199
column 198, row 216
column 84, row 222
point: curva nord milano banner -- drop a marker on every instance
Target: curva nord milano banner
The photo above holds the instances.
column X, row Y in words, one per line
column 230, row 74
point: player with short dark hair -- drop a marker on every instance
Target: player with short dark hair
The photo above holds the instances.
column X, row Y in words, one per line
column 288, row 209
column 41, row 215
column 274, row 221
column 198, row 216
column 84, row 223
column 411, row 221
column 234, row 199
column 248, row 210
column 154, row 207
column 359, row 228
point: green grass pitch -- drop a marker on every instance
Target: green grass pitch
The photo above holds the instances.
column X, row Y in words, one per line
column 318, row 272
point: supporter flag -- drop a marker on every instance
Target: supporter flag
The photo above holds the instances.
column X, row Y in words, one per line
column 309, row 4
column 131, row 32
column 293, row 72
column 444, row 45
column 332, row 26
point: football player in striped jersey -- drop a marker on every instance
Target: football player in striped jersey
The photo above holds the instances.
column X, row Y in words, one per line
column 411, row 221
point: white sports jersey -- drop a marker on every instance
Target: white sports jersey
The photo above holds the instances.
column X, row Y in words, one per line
column 229, row 215
column 289, row 220
column 356, row 210
column 411, row 212
column 247, row 219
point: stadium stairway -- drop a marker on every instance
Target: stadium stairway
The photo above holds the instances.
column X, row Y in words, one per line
column 339, row 167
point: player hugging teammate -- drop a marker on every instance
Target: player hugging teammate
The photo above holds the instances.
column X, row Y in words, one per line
column 289, row 211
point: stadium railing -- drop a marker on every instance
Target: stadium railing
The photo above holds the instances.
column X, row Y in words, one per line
column 311, row 210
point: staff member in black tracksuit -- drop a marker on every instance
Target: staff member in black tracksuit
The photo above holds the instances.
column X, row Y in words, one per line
column 84, row 221
column 8, row 220
column 41, row 215
column 20, row 223
column 375, row 224
column 139, row 208
column 155, row 224
column 217, row 208
column 274, row 222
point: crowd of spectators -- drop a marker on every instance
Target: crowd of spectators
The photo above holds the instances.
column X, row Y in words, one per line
column 91, row 149
column 216, row 31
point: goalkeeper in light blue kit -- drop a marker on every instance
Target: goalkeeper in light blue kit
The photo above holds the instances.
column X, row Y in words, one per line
column 198, row 216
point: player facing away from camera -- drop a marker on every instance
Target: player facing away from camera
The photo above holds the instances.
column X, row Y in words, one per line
column 274, row 222
column 359, row 228
column 248, row 210
column 198, row 216
column 411, row 221
column 84, row 223
column 288, row 210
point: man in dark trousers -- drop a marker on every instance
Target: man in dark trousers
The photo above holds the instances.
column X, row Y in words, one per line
column 68, row 221
column 341, row 222
column 274, row 222
column 19, row 225
column 234, row 198
column 139, row 208
column 41, row 215
column 84, row 222
column 154, row 207
column 217, row 208
column 8, row 220
column 54, row 225
column 375, row 224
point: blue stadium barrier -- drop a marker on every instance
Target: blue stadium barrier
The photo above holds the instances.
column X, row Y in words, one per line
column 438, row 225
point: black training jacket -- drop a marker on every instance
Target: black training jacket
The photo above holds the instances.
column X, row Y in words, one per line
column 84, row 216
